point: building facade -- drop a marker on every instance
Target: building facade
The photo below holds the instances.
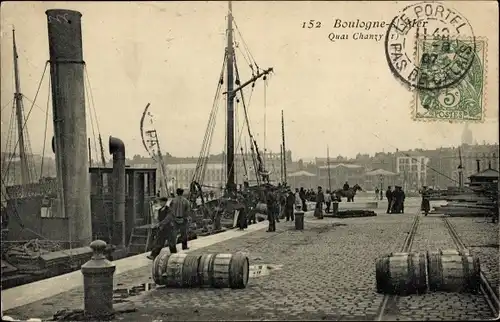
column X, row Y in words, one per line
column 337, row 174
column 413, row 171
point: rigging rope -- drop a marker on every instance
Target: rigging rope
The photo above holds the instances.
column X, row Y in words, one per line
column 245, row 110
column 8, row 103
column 244, row 43
column 27, row 117
column 207, row 140
column 265, row 124
column 45, row 131
column 94, row 137
column 93, row 114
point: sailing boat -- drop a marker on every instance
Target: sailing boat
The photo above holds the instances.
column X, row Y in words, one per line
column 234, row 94
column 23, row 161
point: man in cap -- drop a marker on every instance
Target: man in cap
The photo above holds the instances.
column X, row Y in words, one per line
column 166, row 230
column 162, row 212
column 181, row 210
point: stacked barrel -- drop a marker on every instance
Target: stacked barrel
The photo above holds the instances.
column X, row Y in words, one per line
column 438, row 271
column 217, row 270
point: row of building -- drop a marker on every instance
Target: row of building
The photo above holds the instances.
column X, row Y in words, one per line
column 410, row 169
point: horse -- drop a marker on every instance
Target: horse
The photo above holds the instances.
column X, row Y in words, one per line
column 349, row 194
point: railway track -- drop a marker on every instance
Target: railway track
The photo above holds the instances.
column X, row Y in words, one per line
column 388, row 309
column 485, row 286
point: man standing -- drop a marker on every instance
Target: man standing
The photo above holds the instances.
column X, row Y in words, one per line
column 166, row 231
column 162, row 212
column 271, row 200
column 320, row 198
column 426, row 205
column 242, row 221
column 328, row 201
column 388, row 195
column 376, row 193
column 396, row 200
column 181, row 210
column 298, row 201
column 403, row 197
column 302, row 195
column 290, row 201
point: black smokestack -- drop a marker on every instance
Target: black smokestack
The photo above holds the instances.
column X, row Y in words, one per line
column 478, row 165
column 68, row 108
column 117, row 149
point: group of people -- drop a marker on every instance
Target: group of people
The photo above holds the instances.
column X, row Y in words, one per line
column 173, row 219
column 282, row 205
column 395, row 200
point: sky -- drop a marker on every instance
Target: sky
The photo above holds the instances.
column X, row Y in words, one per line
column 339, row 94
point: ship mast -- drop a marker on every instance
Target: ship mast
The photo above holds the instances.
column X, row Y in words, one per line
column 328, row 163
column 230, row 102
column 284, row 146
column 18, row 96
column 231, row 94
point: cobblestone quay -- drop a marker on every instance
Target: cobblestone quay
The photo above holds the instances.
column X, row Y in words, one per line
column 325, row 272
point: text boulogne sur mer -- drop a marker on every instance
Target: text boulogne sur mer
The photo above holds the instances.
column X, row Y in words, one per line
column 365, row 30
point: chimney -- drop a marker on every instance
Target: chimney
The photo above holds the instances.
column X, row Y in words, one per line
column 478, row 164
column 117, row 149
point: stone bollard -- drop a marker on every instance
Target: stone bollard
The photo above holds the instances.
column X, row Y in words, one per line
column 299, row 220
column 98, row 284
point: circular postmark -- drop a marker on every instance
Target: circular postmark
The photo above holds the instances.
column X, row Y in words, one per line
column 429, row 46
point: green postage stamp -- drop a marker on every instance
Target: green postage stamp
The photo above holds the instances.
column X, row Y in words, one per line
column 463, row 101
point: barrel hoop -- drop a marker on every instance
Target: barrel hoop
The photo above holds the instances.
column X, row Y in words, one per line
column 204, row 261
column 190, row 271
column 476, row 280
column 174, row 269
column 423, row 279
column 466, row 271
column 440, row 270
column 431, row 276
column 211, row 269
column 159, row 267
column 229, row 271
column 410, row 285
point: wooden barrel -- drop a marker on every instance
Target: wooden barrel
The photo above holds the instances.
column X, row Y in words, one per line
column 159, row 266
column 401, row 274
column 239, row 271
column 206, row 270
column 230, row 270
column 452, row 270
column 182, row 270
